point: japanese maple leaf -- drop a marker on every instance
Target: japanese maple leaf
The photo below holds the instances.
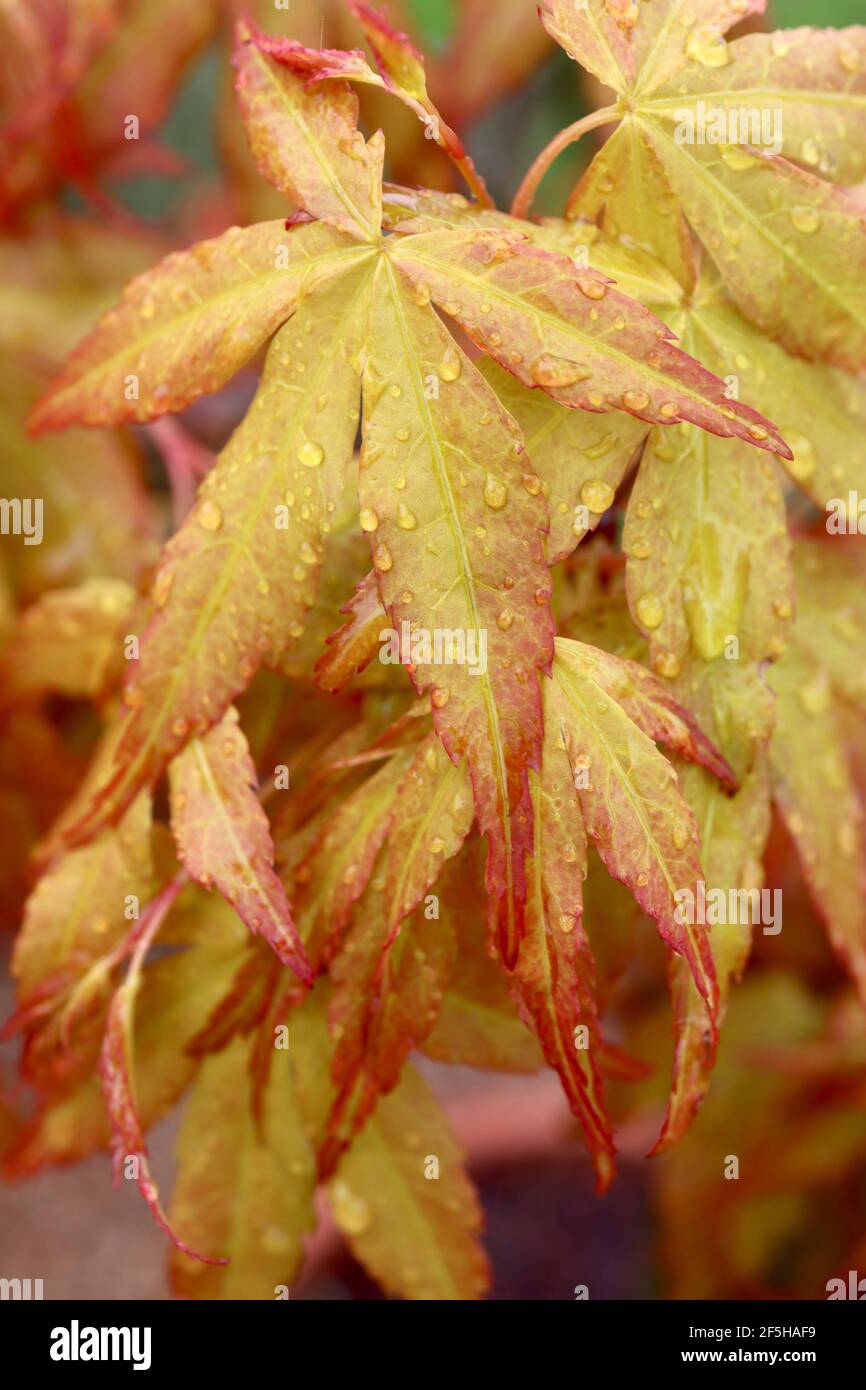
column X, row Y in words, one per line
column 821, row 701
column 454, row 512
column 603, row 779
column 733, row 137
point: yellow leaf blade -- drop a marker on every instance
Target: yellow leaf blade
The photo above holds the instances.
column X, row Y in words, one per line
column 431, row 1251
column 458, row 548
column 185, row 327
column 306, row 141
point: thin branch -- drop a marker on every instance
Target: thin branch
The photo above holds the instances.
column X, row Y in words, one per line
column 526, row 192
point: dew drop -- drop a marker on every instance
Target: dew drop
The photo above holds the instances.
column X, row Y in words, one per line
column 707, row 47
column 666, row 664
column 209, row 515
column 450, row 367
column 757, row 432
column 635, row 400
column 592, row 289
column 806, row 219
column 811, row 152
column 440, row 697
column 548, row 370
column 406, row 519
column 382, row 558
column 369, row 520
column 495, row 493
column 505, row 620
column 650, row 610
column 597, row 495
column 311, row 455
column 351, row 1213
column 736, row 158
column 601, row 447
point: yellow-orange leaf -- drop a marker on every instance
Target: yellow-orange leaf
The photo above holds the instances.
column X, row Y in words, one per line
column 244, row 1187
column 432, row 1252
column 224, row 839
column 457, row 542
column 306, row 141
column 185, row 327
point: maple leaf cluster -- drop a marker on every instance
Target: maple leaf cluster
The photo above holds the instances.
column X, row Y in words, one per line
column 499, row 619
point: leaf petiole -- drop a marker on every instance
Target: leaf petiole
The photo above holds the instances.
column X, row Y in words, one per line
column 525, row 194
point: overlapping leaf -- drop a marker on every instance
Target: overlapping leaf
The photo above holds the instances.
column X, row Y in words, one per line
column 820, row 409
column 807, row 86
column 477, row 1024
column 708, row 555
column 433, row 1251
column 400, row 71
column 578, row 458
column 607, row 713
column 224, row 839
column 307, row 143
column 733, row 833
column 71, row 641
column 248, row 1192
column 167, row 342
column 458, row 550
column 565, row 330
column 812, row 779
column 554, row 976
column 237, row 579
column 392, row 971
column 706, row 119
column 176, row 998
column 85, row 904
